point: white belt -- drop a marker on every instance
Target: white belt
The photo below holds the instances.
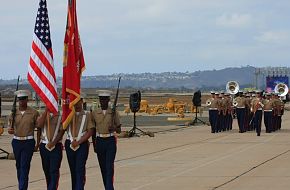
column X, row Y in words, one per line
column 212, row 108
column 267, row 110
column 259, row 109
column 23, row 138
column 46, row 142
column 69, row 137
column 105, row 135
column 241, row 107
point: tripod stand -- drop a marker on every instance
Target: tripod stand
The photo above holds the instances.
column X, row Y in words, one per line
column 5, row 153
column 196, row 119
column 132, row 132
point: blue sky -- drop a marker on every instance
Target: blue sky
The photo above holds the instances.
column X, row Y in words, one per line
column 135, row 36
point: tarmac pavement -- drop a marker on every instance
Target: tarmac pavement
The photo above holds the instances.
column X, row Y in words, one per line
column 187, row 159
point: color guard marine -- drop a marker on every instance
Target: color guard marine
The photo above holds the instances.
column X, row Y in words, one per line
column 107, row 124
column 23, row 143
column 79, row 130
column 51, row 147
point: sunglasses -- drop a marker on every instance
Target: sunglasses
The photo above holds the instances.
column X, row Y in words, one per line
column 23, row 98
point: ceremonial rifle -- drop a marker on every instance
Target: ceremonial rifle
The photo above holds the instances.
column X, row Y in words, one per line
column 14, row 105
column 115, row 104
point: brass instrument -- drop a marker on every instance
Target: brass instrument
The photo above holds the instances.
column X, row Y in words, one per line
column 235, row 103
column 281, row 89
column 232, row 87
column 208, row 102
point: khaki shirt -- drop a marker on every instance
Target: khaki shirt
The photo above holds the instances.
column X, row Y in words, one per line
column 229, row 103
column 25, row 124
column 103, row 121
column 248, row 101
column 241, row 102
column 223, row 104
column 278, row 106
column 268, row 104
column 256, row 104
column 78, row 118
column 54, row 120
column 214, row 103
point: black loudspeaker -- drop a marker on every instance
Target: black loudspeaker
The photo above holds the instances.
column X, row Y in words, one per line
column 134, row 101
column 196, row 100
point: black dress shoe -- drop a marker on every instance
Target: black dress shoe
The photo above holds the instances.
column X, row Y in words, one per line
column 258, row 134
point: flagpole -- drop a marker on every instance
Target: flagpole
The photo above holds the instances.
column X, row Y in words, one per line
column 48, row 126
column 74, row 127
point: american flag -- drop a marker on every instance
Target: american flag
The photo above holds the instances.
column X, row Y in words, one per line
column 41, row 73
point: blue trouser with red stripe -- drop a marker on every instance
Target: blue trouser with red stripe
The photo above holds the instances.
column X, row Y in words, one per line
column 268, row 121
column 258, row 121
column 106, row 149
column 77, row 164
column 241, row 118
column 23, row 151
column 51, row 161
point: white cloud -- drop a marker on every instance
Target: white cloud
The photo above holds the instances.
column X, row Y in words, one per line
column 234, row 20
column 277, row 37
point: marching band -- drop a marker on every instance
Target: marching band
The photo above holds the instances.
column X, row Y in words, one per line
column 248, row 107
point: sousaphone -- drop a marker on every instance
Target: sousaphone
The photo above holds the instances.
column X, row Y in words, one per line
column 232, row 87
column 281, row 89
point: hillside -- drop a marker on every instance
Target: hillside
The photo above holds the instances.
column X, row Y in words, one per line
column 205, row 80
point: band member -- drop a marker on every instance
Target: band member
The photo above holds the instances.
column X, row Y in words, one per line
column 248, row 117
column 210, row 110
column 240, row 105
column 208, row 104
column 257, row 109
column 278, row 111
column 78, row 131
column 50, row 147
column 23, row 142
column 107, row 123
column 223, row 108
column 268, row 115
column 229, row 108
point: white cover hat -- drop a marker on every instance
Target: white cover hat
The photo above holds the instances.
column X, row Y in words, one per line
column 22, row 93
column 105, row 93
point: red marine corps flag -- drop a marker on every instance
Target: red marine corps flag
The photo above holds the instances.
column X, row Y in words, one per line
column 73, row 65
column 41, row 74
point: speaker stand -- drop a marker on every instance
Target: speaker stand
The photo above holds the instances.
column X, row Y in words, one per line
column 2, row 151
column 196, row 119
column 132, row 132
